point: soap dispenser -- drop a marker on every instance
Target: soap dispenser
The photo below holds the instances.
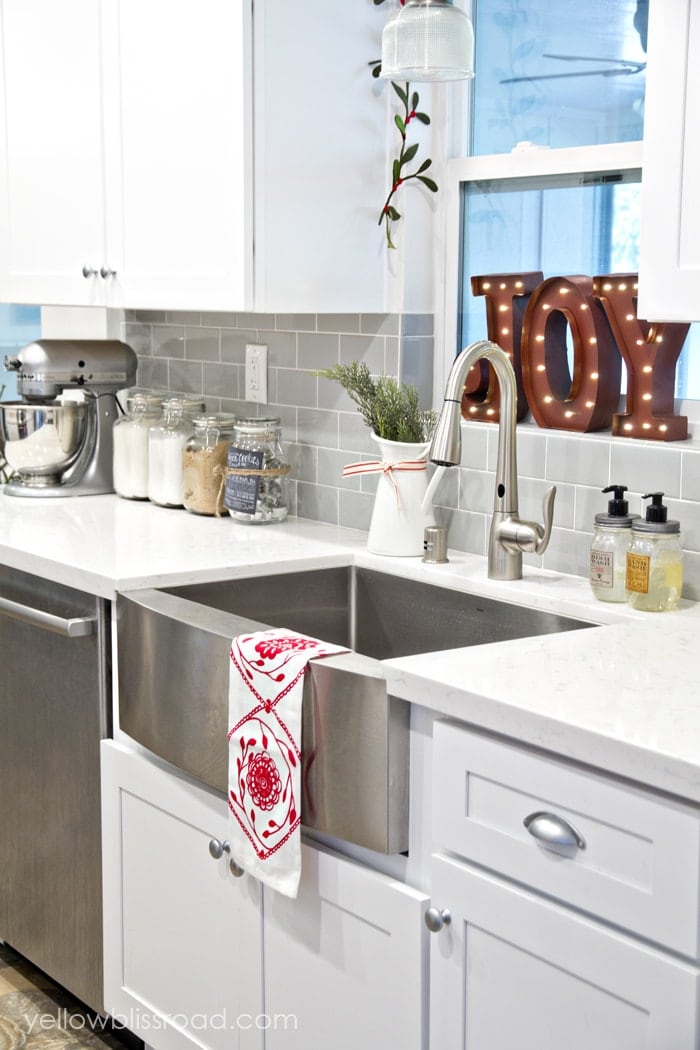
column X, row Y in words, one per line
column 611, row 538
column 654, row 577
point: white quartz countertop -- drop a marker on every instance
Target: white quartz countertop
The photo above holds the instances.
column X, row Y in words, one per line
column 621, row 697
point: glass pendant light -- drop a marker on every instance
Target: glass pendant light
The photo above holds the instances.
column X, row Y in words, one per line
column 428, row 40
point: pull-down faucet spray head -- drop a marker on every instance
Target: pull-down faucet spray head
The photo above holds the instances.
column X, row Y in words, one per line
column 509, row 536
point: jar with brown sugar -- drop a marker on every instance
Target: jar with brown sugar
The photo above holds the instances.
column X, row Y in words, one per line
column 204, row 460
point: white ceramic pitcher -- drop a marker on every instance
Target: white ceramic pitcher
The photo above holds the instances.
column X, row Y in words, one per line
column 398, row 518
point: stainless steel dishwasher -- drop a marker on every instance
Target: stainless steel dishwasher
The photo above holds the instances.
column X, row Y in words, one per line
column 54, row 687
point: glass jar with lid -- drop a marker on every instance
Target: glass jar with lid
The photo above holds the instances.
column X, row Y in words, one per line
column 143, row 408
column 654, row 578
column 256, row 491
column 166, row 445
column 204, row 461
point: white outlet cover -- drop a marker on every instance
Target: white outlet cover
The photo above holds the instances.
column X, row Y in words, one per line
column 256, row 373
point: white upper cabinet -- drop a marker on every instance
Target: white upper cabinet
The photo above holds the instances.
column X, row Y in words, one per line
column 669, row 273
column 52, row 203
column 192, row 156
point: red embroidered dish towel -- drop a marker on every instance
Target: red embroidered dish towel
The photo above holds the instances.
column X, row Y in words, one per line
column 266, row 683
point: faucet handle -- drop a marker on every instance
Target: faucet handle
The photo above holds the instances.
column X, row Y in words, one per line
column 547, row 517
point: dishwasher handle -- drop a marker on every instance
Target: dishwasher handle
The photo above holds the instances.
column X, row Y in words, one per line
column 71, row 627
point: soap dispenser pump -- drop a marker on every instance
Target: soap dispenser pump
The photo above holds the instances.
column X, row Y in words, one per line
column 611, row 538
column 654, row 577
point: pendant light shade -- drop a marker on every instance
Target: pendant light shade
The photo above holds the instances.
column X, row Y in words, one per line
column 428, row 40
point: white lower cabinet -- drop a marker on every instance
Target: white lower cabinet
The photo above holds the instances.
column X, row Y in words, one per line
column 183, row 937
column 556, row 880
column 515, row 970
column 348, row 958
column 197, row 957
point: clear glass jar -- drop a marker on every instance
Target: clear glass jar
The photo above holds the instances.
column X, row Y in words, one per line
column 204, row 463
column 256, row 489
column 130, row 442
column 654, row 578
column 607, row 563
column 166, row 445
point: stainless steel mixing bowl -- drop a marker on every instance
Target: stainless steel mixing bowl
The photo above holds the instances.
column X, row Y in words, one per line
column 40, row 441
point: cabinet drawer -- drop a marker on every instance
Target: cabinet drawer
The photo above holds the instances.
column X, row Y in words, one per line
column 639, row 863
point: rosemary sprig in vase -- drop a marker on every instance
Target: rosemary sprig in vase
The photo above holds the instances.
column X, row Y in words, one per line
column 401, row 431
column 389, row 408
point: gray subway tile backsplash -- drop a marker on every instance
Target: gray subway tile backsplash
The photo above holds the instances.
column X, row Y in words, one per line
column 205, row 354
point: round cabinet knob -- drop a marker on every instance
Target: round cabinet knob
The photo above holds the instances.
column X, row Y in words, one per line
column 89, row 271
column 106, row 272
column 435, row 919
column 217, row 849
column 235, row 869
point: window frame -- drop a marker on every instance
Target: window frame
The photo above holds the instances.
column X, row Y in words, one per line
column 521, row 163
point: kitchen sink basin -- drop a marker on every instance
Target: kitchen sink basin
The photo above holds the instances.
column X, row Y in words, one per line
column 374, row 613
column 173, row 664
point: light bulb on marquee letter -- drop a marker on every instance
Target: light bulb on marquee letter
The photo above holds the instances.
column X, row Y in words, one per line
column 651, row 352
column 584, row 398
column 507, row 296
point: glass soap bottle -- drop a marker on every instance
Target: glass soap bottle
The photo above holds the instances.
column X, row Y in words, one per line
column 204, row 460
column 130, row 442
column 611, row 538
column 654, row 578
column 256, row 490
column 166, row 445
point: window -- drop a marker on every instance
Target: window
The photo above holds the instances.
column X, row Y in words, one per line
column 553, row 180
column 19, row 325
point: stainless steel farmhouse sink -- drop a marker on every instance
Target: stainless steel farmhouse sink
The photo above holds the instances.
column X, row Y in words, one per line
column 173, row 679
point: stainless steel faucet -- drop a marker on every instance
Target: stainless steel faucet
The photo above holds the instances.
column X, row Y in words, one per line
column 509, row 536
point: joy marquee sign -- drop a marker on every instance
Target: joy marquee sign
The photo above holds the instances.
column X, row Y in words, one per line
column 530, row 317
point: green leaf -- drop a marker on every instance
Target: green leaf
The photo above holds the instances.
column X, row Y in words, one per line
column 432, row 186
column 423, row 118
column 395, row 171
column 400, row 92
column 414, row 100
column 393, row 213
column 409, row 154
column 398, row 120
column 424, row 166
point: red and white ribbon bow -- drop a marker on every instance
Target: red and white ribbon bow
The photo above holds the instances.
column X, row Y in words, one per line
column 386, row 467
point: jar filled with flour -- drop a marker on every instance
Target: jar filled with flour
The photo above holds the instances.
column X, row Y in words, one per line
column 204, row 462
column 166, row 446
column 143, row 409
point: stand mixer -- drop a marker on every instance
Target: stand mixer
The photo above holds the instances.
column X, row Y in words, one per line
column 58, row 439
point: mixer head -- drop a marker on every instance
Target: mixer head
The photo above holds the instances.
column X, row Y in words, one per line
column 48, row 366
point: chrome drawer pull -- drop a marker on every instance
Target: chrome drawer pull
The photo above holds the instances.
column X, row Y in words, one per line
column 236, row 870
column 436, row 919
column 554, row 831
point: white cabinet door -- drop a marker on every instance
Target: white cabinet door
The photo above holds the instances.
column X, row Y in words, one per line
column 346, row 962
column 514, row 970
column 321, row 167
column 669, row 271
column 51, row 172
column 178, row 152
column 183, row 937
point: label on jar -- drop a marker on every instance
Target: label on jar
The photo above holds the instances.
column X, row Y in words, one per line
column 241, row 492
column 637, row 576
column 601, row 568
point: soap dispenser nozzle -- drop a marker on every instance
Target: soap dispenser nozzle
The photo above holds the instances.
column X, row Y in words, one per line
column 656, row 511
column 618, row 506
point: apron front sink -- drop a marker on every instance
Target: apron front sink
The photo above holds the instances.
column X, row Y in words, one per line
column 173, row 662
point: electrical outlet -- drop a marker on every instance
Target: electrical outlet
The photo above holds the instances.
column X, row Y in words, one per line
column 256, row 372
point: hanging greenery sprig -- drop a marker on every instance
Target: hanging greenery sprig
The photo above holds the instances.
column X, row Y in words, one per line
column 399, row 175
